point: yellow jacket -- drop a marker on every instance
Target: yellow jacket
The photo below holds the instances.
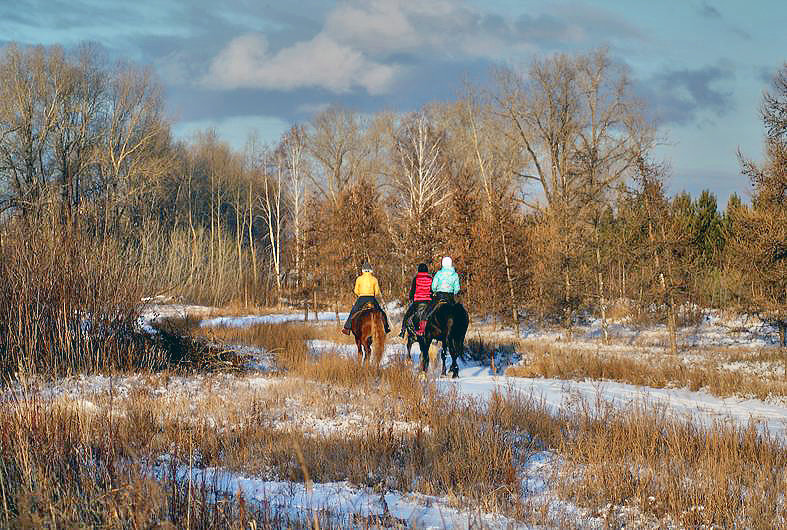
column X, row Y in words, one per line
column 366, row 285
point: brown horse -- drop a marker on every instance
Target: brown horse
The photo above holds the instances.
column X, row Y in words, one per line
column 369, row 330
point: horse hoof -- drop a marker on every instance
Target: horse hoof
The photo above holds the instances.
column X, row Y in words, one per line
column 422, row 376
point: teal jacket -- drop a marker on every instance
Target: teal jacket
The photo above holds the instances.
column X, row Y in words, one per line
column 446, row 280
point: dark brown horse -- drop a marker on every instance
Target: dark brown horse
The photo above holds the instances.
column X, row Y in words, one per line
column 369, row 330
column 447, row 324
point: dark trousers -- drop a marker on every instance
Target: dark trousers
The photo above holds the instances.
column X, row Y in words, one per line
column 415, row 306
column 359, row 303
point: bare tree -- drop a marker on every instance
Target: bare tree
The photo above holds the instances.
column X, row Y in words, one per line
column 294, row 145
column 28, row 107
column 420, row 178
column 334, row 142
column 272, row 206
column 132, row 154
column 498, row 164
column 580, row 132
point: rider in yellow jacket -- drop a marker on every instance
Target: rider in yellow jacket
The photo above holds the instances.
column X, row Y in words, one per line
column 367, row 289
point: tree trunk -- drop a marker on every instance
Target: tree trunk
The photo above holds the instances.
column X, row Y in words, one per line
column 672, row 327
column 601, row 300
column 514, row 312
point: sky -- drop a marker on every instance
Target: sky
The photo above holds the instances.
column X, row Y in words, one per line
column 254, row 65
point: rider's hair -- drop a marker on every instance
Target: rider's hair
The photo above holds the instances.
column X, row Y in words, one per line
column 422, row 267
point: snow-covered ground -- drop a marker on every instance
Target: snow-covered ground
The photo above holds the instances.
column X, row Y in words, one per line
column 714, row 328
column 562, row 395
column 343, row 504
column 352, row 505
column 558, row 395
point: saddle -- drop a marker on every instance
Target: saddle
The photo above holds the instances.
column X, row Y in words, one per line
column 416, row 317
column 439, row 302
column 365, row 307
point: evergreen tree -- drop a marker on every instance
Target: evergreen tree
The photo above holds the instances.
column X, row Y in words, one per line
column 757, row 257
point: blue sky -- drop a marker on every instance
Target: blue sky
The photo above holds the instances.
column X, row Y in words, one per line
column 239, row 65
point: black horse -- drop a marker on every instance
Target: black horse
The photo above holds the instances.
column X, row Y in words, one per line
column 447, row 324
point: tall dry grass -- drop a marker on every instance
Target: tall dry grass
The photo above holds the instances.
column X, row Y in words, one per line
column 674, row 470
column 203, row 268
column 472, row 453
column 666, row 468
column 99, row 472
column 69, row 303
column 667, row 371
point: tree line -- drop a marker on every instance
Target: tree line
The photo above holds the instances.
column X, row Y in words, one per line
column 542, row 186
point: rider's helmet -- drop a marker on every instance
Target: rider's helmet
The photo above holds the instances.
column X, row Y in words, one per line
column 366, row 267
column 447, row 262
column 422, row 267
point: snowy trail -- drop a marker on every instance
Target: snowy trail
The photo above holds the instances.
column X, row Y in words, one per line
column 559, row 394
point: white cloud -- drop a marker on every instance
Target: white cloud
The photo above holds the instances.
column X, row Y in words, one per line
column 361, row 42
column 246, row 62
column 376, row 26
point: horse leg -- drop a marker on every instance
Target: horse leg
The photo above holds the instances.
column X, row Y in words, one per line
column 409, row 346
column 424, row 344
column 456, row 351
column 368, row 349
column 360, row 350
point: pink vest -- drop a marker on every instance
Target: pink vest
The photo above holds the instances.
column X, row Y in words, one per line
column 423, row 287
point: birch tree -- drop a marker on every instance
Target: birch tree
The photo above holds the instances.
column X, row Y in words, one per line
column 294, row 145
column 272, row 206
column 419, row 184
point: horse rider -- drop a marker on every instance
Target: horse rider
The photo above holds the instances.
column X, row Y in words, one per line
column 366, row 289
column 420, row 294
column 445, row 285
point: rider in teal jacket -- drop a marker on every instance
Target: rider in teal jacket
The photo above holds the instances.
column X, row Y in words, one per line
column 445, row 283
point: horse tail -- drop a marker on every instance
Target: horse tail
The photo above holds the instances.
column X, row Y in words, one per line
column 378, row 338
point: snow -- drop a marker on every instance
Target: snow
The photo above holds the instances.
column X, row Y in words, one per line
column 561, row 395
column 393, row 349
column 278, row 318
column 714, row 328
column 475, row 380
column 341, row 499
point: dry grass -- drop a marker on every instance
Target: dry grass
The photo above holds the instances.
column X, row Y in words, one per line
column 95, row 475
column 68, row 304
column 721, row 476
column 655, row 371
column 666, row 469
column 403, row 436
column 457, row 448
